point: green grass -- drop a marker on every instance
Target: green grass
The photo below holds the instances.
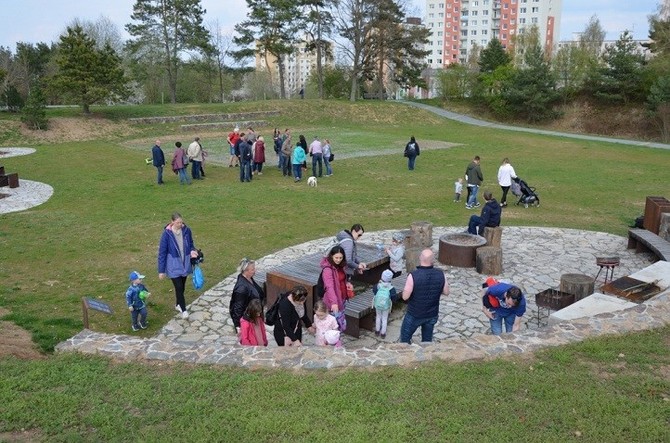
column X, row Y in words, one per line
column 106, row 216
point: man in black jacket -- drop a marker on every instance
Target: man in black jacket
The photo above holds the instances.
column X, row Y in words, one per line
column 490, row 216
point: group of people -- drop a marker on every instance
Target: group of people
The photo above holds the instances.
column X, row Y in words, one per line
column 194, row 155
column 491, row 212
column 248, row 152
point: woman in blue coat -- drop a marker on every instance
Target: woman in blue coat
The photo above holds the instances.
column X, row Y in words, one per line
column 174, row 258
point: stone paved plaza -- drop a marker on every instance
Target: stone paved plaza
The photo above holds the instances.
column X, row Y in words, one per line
column 533, row 258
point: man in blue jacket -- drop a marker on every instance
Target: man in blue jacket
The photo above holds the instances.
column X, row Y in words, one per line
column 158, row 159
column 490, row 216
column 504, row 302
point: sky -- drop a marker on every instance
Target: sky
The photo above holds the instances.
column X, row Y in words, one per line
column 35, row 21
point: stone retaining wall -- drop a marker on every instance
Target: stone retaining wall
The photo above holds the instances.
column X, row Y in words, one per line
column 204, row 117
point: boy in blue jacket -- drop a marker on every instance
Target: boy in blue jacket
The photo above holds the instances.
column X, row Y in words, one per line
column 136, row 296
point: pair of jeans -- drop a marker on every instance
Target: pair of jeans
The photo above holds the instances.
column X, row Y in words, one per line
column 179, row 284
column 258, row 167
column 410, row 324
column 297, row 171
column 317, row 158
column 497, row 322
column 142, row 314
column 410, row 162
column 285, row 162
column 245, row 171
column 326, row 163
column 183, row 178
column 475, row 226
column 474, row 189
column 159, row 174
column 195, row 169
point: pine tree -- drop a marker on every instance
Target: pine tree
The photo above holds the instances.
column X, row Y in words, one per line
column 34, row 112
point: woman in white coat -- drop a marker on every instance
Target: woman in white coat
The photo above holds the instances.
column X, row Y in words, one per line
column 505, row 175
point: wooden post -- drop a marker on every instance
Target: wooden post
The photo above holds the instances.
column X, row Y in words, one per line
column 579, row 284
column 489, row 260
column 493, row 236
column 424, row 230
column 412, row 258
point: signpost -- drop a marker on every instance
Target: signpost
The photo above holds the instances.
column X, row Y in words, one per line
column 97, row 305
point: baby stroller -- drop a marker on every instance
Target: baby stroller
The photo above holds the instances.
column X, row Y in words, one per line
column 526, row 194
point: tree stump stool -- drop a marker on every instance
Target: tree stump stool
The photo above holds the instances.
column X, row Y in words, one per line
column 424, row 232
column 489, row 260
column 411, row 240
column 412, row 258
column 579, row 284
column 493, row 236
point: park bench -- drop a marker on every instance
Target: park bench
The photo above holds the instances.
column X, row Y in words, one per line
column 11, row 180
column 359, row 311
column 642, row 240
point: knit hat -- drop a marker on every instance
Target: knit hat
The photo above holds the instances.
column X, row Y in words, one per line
column 399, row 237
column 387, row 276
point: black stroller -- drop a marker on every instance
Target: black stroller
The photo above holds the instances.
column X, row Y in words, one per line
column 527, row 195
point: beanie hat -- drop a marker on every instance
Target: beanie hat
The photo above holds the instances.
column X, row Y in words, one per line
column 387, row 275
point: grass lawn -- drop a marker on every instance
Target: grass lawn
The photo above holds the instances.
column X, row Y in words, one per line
column 106, row 216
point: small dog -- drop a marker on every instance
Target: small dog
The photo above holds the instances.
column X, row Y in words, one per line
column 312, row 182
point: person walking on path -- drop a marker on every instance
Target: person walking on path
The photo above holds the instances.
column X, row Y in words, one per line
column 158, row 160
column 316, row 152
column 411, row 152
column 423, row 289
column 474, row 178
column 504, row 302
column 490, row 216
column 505, row 175
column 194, row 153
column 175, row 251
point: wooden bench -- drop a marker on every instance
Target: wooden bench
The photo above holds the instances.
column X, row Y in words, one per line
column 360, row 313
column 642, row 240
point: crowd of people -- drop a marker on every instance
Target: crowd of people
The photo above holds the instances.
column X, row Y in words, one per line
column 248, row 152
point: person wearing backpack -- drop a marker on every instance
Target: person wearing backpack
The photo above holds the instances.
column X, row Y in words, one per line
column 411, row 152
column 381, row 302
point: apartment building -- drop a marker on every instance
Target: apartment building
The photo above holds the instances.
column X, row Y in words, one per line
column 298, row 67
column 458, row 25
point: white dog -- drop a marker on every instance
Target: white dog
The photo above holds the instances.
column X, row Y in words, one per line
column 311, row 182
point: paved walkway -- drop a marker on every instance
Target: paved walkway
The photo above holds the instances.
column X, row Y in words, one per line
column 474, row 121
column 534, row 258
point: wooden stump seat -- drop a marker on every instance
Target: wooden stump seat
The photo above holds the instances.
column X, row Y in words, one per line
column 489, row 260
column 579, row 284
column 493, row 236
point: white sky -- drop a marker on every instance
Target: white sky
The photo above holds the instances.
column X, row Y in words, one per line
column 34, row 21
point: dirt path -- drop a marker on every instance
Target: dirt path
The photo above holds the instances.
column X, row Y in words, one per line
column 16, row 341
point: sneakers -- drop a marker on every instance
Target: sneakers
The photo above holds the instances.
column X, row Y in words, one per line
column 135, row 328
column 383, row 335
column 469, row 207
column 477, row 205
column 184, row 315
column 143, row 325
column 377, row 333
column 177, row 308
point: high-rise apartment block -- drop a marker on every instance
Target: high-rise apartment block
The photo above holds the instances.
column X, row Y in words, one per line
column 458, row 25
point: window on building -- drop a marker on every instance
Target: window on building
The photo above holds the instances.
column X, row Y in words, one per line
column 441, row 15
column 533, row 20
column 505, row 6
column 475, row 3
column 448, row 25
column 522, row 21
column 474, row 13
column 522, row 10
column 473, row 22
column 535, row 9
column 473, row 32
column 485, row 12
column 464, row 33
column 431, row 15
column 439, row 34
column 439, row 52
column 448, row 14
column 485, row 42
column 441, row 6
column 485, row 31
column 440, row 24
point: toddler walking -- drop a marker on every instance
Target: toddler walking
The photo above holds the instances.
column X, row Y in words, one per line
column 326, row 328
column 136, row 297
column 458, row 188
column 252, row 326
column 382, row 302
column 396, row 253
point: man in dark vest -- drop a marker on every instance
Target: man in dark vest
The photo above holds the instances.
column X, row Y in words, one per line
column 422, row 291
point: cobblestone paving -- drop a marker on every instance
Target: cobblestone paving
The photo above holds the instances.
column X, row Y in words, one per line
column 533, row 258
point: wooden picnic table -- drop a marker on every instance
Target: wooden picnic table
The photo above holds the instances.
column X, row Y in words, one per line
column 305, row 271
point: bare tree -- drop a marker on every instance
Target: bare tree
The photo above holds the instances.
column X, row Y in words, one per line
column 223, row 44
